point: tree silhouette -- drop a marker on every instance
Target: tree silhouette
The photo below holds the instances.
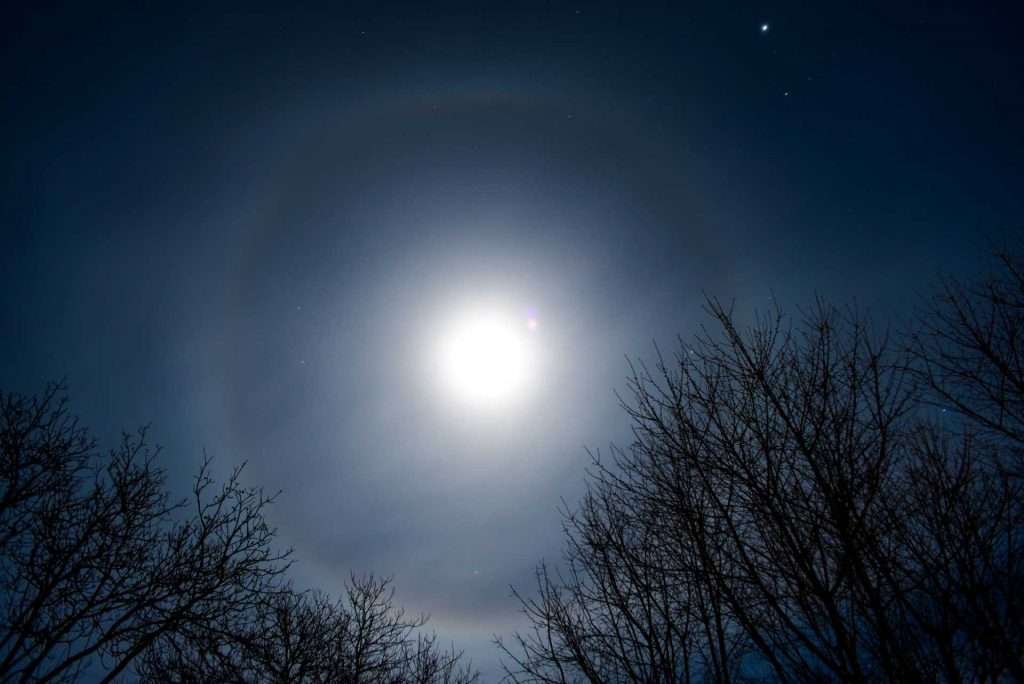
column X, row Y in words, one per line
column 792, row 509
column 969, row 353
column 304, row 637
column 101, row 572
column 97, row 563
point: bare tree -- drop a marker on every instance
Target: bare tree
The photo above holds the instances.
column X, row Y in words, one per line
column 96, row 563
column 304, row 637
column 968, row 357
column 969, row 353
column 787, row 511
column 380, row 644
column 101, row 572
column 625, row 608
column 961, row 537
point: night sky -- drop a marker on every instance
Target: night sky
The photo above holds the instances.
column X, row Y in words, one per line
column 248, row 228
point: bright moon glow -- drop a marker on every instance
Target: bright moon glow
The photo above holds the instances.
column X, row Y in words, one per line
column 485, row 358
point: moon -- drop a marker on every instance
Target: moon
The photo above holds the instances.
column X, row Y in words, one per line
column 485, row 358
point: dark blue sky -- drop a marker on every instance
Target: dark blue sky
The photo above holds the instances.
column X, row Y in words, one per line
column 245, row 226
